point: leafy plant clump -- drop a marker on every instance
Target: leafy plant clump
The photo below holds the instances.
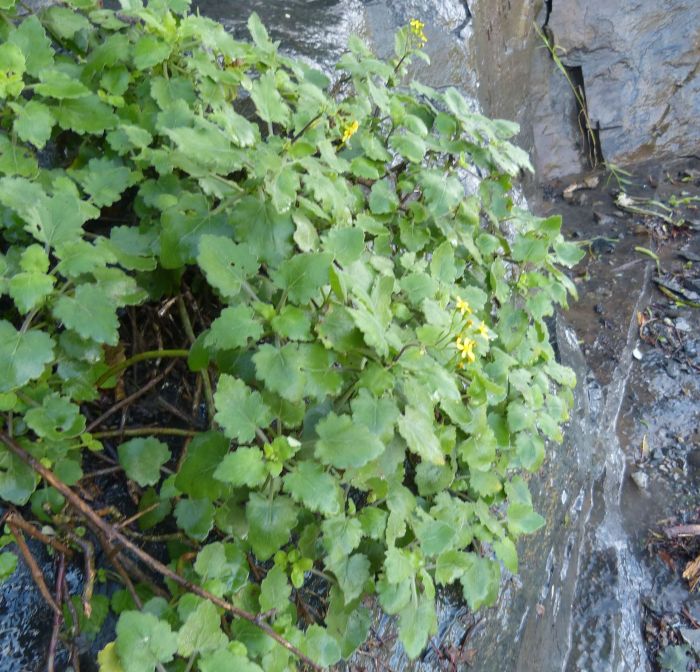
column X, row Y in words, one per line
column 374, row 349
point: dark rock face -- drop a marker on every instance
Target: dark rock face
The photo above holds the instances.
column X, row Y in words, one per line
column 639, row 62
column 641, row 69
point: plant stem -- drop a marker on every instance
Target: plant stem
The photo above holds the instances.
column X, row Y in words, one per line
column 114, row 537
column 140, row 357
column 145, row 431
column 187, row 325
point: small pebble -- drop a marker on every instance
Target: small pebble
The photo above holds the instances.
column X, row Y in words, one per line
column 637, row 353
column 641, row 480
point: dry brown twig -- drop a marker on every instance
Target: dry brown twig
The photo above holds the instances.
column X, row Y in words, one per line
column 114, row 537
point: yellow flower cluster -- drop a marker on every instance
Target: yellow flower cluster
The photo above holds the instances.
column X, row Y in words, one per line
column 417, row 29
column 466, row 344
column 350, row 130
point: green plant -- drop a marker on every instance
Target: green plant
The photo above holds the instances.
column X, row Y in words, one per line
column 374, row 351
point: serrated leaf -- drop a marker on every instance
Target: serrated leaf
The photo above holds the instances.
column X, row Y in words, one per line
column 274, row 590
column 57, row 84
column 281, row 370
column 522, row 519
column 33, row 123
column 320, row 646
column 268, row 101
column 143, row 641
column 233, row 328
column 240, row 411
column 105, row 180
column 378, row 415
column 201, row 632
column 12, row 68
column 142, row 459
column 245, row 466
column 15, row 159
column 31, row 38
column 303, row 275
column 311, row 486
column 270, row 523
column 226, row 264
column 196, row 474
column 55, row 419
column 344, row 444
column 85, row 115
column 149, row 51
column 419, row 431
column 224, row 659
column 292, row 323
column 17, row 480
column 195, row 517
column 352, row 573
column 417, row 623
column 480, row 581
column 91, row 313
column 507, row 554
column 23, row 355
column 28, row 290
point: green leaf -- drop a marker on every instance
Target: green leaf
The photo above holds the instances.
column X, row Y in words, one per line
column 270, row 522
column 522, row 519
column 382, row 198
column 12, row 68
column 23, row 355
column 59, row 85
column 303, row 275
column 378, row 415
column 16, row 159
column 64, row 23
column 8, row 564
column 143, row 641
column 239, row 410
column 85, row 115
column 17, row 480
column 233, row 328
column 529, row 250
column 195, row 517
column 90, row 312
column 33, row 123
column 506, row 552
column 55, row 419
column 311, row 486
column 346, row 245
column 321, row 647
column 344, row 444
column 223, row 563
column 268, row 101
column 292, row 323
column 223, row 659
column 352, row 573
column 226, row 264
column 450, row 566
column 149, row 51
column 196, row 474
column 281, row 370
column 411, row 146
column 142, row 459
column 419, row 431
column 245, row 466
column 105, row 180
column 31, row 38
column 567, row 253
column 275, row 590
column 480, row 581
column 28, row 290
column 417, row 623
column 201, row 632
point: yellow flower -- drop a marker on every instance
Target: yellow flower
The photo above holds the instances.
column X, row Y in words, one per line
column 466, row 348
column 350, row 130
column 483, row 330
column 463, row 307
column 417, row 29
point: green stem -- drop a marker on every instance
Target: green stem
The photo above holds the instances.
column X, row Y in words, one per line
column 140, row 357
column 206, row 381
column 145, row 431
